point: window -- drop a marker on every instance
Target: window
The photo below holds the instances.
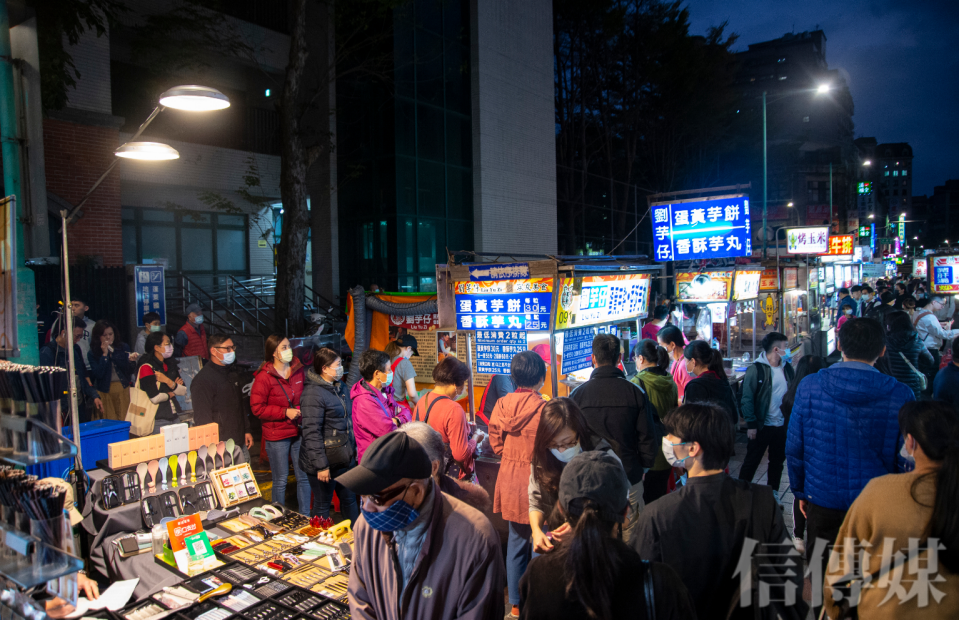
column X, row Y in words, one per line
column 895, row 173
column 195, row 242
column 905, row 173
column 895, row 192
column 886, row 173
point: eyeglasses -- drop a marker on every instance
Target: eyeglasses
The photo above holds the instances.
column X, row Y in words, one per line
column 566, row 446
column 227, row 349
column 387, row 495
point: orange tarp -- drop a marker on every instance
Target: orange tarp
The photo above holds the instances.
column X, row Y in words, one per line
column 380, row 333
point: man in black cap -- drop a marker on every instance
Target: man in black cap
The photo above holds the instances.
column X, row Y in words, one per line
column 418, row 551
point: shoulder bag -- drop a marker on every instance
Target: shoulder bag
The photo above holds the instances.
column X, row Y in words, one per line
column 142, row 412
column 338, row 447
column 923, row 380
column 453, row 468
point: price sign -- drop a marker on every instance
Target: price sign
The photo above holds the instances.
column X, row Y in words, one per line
column 577, row 349
column 945, row 274
column 495, row 350
column 504, row 304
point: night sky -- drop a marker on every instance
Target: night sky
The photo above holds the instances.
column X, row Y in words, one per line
column 900, row 58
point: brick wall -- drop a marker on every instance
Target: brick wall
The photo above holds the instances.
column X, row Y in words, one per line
column 75, row 156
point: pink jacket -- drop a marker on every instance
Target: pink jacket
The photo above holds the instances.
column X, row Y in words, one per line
column 375, row 414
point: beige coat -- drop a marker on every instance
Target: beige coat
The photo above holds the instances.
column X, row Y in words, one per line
column 884, row 510
column 459, row 574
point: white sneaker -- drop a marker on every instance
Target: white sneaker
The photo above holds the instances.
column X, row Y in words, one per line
column 800, row 546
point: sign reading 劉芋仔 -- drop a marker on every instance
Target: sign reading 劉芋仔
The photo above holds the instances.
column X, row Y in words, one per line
column 150, row 292
column 504, row 304
column 707, row 228
column 577, row 349
column 495, row 350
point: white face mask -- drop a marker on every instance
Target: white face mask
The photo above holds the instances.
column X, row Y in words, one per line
column 168, row 351
column 339, row 373
column 286, row 356
column 229, row 358
column 198, row 320
column 568, row 454
column 670, row 454
column 904, row 453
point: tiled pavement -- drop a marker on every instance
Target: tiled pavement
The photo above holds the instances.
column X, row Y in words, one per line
column 785, row 493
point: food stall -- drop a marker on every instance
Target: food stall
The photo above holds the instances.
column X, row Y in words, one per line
column 720, row 307
column 769, row 302
column 796, row 317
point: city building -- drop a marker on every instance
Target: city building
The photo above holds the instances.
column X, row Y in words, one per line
column 943, row 215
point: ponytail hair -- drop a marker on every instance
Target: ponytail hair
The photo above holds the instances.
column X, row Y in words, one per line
column 935, row 426
column 592, row 561
column 671, row 334
column 651, row 352
column 392, row 349
column 709, row 357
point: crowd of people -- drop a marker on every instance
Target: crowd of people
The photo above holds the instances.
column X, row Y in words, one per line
column 618, row 500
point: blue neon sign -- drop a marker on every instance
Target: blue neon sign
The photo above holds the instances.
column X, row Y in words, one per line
column 708, row 228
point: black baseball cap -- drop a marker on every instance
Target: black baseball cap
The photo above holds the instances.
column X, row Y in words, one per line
column 408, row 341
column 597, row 476
column 388, row 460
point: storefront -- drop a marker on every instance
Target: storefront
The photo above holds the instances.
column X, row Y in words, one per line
column 720, row 306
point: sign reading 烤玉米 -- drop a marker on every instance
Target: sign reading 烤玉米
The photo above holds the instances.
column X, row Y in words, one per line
column 486, row 273
column 700, row 229
column 808, row 240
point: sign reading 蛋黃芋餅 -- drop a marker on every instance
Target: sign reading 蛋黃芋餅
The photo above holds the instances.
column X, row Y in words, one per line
column 702, row 228
column 488, row 272
column 945, row 274
column 593, row 300
column 495, row 350
column 504, row 304
column 808, row 240
column 706, row 286
column 150, row 292
column 577, row 349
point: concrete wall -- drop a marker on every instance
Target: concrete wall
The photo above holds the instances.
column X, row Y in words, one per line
column 514, row 142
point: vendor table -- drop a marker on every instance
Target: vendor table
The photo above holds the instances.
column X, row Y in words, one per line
column 108, row 525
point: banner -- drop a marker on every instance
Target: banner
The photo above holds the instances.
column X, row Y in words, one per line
column 698, row 229
column 769, row 280
column 594, row 300
column 504, row 304
column 707, row 286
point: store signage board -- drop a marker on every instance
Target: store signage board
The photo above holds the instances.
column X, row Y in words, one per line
column 769, row 280
column 945, row 274
column 595, row 300
column 808, row 240
column 814, row 276
column 746, row 285
column 577, row 349
column 488, row 273
column 791, row 277
column 706, row 228
column 150, row 292
column 840, row 245
column 416, row 322
column 919, row 267
column 713, row 286
column 873, row 270
column 504, row 304
column 857, row 254
column 495, row 350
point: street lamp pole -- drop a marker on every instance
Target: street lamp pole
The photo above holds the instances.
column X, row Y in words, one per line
column 764, row 175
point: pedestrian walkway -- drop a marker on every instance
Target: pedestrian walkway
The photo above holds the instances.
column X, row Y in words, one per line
column 785, row 493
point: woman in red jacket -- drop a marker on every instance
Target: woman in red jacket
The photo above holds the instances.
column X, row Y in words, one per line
column 275, row 399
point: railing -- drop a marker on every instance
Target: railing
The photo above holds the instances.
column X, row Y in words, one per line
column 243, row 297
column 191, row 292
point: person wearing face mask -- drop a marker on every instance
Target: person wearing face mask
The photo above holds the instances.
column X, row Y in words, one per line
column 418, row 553
column 512, row 434
column 275, row 399
column 159, row 376
column 700, row 529
column 192, row 338
column 868, row 301
column 764, row 387
column 375, row 412
column 151, row 323
column 709, row 383
column 562, row 434
column 445, row 415
column 111, row 369
column 895, row 511
column 905, row 354
column 848, row 312
column 652, row 362
column 671, row 338
column 217, row 394
column 328, row 447
column 931, row 331
column 404, row 375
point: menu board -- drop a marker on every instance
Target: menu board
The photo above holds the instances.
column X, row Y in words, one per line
column 595, row 300
column 746, row 285
column 919, row 267
column 791, row 276
column 945, row 274
column 577, row 349
column 495, row 350
column 769, row 280
column 504, row 304
column 808, row 240
column 814, row 275
column 706, row 286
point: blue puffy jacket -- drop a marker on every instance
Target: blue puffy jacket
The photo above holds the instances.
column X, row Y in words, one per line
column 843, row 432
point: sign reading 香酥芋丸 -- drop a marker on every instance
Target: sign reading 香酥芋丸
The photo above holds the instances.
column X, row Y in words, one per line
column 594, row 300
column 945, row 274
column 807, row 240
column 699, row 229
column 495, row 350
column 504, row 304
column 488, row 272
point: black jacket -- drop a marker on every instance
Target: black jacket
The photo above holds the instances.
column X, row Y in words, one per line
column 149, row 367
column 217, row 394
column 907, row 344
column 326, row 410
column 619, row 412
column 708, row 388
column 543, row 590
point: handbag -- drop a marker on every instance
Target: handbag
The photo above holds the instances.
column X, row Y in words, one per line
column 142, row 412
column 923, row 380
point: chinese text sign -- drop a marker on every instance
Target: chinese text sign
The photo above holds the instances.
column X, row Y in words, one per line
column 593, row 300
column 807, row 240
column 945, row 274
column 495, row 350
column 709, row 228
column 150, row 292
column 504, row 304
column 577, row 349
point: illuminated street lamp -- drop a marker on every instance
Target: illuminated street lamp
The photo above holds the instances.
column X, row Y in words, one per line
column 867, row 163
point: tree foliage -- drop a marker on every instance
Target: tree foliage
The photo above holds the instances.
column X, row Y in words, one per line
column 639, row 102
